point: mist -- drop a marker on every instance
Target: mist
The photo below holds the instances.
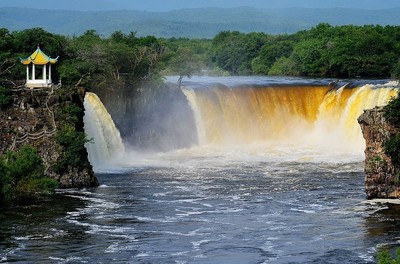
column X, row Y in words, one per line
column 162, row 5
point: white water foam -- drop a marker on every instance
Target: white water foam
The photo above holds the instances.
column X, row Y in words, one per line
column 107, row 146
column 329, row 140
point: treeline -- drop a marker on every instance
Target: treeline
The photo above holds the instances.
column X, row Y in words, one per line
column 86, row 60
column 323, row 51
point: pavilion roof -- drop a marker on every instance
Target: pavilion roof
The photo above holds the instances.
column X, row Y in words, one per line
column 38, row 58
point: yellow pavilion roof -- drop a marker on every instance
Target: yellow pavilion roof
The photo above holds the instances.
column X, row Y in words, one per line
column 38, row 58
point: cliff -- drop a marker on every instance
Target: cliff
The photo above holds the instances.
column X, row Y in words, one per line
column 37, row 117
column 381, row 175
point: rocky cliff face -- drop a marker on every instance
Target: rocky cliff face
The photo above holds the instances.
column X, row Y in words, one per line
column 381, row 176
column 33, row 120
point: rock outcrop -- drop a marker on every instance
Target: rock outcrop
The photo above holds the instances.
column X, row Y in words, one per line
column 381, row 176
column 32, row 119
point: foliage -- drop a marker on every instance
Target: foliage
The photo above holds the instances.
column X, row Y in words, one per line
column 184, row 64
column 5, row 98
column 70, row 114
column 384, row 257
column 21, row 176
column 93, row 61
column 275, row 48
column 70, row 137
column 396, row 71
column 323, row 51
column 74, row 151
column 234, row 51
column 392, row 111
column 392, row 145
column 284, row 67
column 185, row 57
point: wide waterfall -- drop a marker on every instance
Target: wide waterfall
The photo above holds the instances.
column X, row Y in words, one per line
column 309, row 120
column 106, row 144
column 320, row 116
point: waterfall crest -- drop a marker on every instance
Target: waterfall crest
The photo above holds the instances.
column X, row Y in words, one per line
column 106, row 146
column 302, row 115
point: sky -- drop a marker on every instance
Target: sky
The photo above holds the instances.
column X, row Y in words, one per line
column 167, row 5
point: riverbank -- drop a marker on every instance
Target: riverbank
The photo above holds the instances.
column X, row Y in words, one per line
column 50, row 121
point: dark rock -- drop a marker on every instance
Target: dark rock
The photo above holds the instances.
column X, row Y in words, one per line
column 381, row 176
column 32, row 115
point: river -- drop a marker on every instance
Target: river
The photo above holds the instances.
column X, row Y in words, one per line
column 242, row 201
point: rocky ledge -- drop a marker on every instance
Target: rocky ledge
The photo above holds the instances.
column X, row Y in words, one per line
column 381, row 176
column 35, row 118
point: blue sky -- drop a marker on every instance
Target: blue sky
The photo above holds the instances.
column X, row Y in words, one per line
column 166, row 5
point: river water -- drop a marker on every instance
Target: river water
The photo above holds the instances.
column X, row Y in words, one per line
column 254, row 202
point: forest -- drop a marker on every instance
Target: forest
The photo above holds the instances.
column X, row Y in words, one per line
column 90, row 60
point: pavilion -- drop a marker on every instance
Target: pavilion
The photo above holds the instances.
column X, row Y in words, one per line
column 41, row 76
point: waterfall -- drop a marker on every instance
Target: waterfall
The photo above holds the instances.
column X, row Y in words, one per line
column 317, row 116
column 260, row 118
column 106, row 145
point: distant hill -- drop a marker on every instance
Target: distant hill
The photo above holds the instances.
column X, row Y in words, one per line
column 168, row 5
column 192, row 23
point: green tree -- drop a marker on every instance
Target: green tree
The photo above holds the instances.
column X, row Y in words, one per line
column 86, row 63
column 396, row 70
column 235, row 51
column 70, row 137
column 184, row 64
column 272, row 50
column 392, row 144
column 73, row 145
column 284, row 66
column 22, row 177
column 7, row 62
column 26, row 41
column 310, row 55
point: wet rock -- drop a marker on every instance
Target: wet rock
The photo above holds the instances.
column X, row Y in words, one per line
column 381, row 176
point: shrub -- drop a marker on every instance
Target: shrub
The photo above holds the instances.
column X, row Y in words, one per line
column 392, row 111
column 35, row 188
column 70, row 114
column 25, row 163
column 392, row 145
column 396, row 70
column 392, row 148
column 21, row 176
column 74, row 151
column 384, row 257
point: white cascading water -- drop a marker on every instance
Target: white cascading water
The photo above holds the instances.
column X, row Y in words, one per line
column 285, row 123
column 106, row 145
column 303, row 116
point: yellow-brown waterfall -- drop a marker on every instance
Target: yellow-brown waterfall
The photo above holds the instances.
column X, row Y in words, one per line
column 106, row 145
column 319, row 115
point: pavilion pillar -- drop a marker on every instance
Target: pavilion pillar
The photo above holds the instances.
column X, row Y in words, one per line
column 27, row 72
column 33, row 72
column 50, row 73
column 44, row 74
